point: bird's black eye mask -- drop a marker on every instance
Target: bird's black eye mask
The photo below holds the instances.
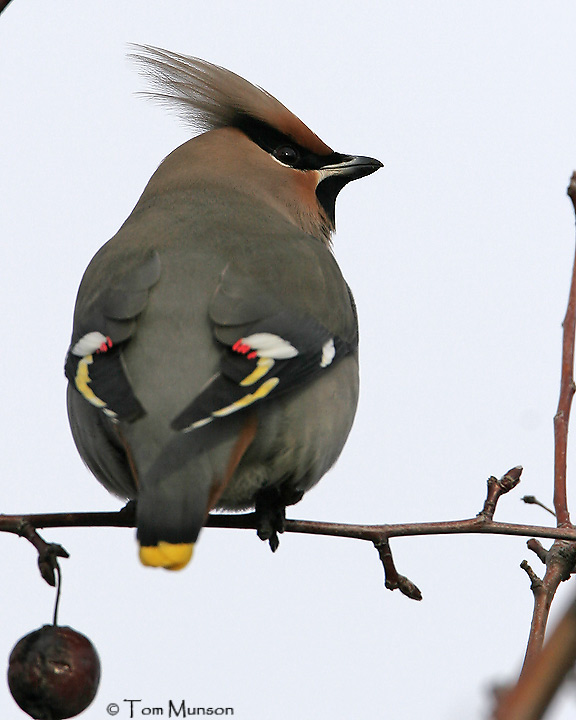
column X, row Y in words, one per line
column 287, row 151
column 282, row 147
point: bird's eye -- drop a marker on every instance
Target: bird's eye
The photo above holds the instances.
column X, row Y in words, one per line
column 286, row 154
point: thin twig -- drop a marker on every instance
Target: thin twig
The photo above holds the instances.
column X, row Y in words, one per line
column 26, row 525
column 560, row 560
column 520, row 703
column 533, row 500
column 47, row 552
column 497, row 488
column 392, row 578
column 561, row 556
column 537, row 547
column 537, row 686
column 567, row 389
column 247, row 521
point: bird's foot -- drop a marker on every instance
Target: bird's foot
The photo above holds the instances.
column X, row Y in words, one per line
column 270, row 516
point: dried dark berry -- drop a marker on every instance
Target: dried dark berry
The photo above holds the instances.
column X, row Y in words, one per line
column 53, row 673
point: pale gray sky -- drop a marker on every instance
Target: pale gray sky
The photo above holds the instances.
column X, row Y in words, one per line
column 459, row 253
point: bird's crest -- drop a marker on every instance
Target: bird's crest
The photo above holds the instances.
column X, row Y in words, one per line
column 208, row 96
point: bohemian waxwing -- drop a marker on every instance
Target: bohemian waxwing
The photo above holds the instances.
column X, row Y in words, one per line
column 214, row 355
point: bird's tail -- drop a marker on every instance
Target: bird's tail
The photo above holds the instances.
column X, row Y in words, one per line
column 179, row 489
column 173, row 501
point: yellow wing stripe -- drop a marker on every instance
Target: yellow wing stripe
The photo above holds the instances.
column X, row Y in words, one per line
column 82, row 381
column 262, row 391
column 262, row 367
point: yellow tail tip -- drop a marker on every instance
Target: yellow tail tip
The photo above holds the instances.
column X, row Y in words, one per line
column 171, row 556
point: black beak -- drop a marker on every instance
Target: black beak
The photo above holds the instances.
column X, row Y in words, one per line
column 352, row 167
column 337, row 174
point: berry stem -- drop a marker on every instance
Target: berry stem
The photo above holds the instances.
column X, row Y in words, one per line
column 58, row 588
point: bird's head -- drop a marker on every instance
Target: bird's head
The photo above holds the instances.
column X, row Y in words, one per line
column 250, row 141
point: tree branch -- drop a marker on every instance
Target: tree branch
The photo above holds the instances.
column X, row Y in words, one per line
column 247, row 521
column 26, row 526
column 567, row 389
column 561, row 557
column 537, row 686
column 519, row 703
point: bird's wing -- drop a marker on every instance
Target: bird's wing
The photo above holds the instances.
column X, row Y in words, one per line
column 269, row 350
column 94, row 362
